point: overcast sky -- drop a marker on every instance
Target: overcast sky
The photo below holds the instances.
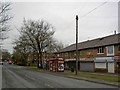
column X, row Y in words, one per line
column 101, row 22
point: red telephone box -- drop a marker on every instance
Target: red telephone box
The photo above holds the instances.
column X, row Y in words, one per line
column 56, row 64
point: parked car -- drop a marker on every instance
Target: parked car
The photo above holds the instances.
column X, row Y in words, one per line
column 9, row 62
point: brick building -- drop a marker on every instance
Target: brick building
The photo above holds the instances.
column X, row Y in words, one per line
column 101, row 53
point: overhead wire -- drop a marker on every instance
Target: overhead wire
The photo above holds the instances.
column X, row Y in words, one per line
column 94, row 9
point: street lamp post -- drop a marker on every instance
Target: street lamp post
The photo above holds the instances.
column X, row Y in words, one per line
column 76, row 44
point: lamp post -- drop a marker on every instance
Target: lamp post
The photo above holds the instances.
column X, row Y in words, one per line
column 76, row 44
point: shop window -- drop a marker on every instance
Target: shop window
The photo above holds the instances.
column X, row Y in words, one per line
column 100, row 50
column 110, row 50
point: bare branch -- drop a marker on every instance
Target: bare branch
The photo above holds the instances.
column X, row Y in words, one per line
column 4, row 17
column 4, row 7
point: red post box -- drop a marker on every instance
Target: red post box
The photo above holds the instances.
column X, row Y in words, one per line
column 56, row 64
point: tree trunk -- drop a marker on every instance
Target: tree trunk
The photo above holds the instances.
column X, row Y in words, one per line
column 38, row 60
column 41, row 64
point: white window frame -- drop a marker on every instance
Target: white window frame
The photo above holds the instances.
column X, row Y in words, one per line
column 107, row 50
column 99, row 50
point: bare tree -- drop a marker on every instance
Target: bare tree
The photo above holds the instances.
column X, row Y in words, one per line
column 23, row 49
column 37, row 34
column 4, row 18
column 53, row 46
column 58, row 46
column 6, row 55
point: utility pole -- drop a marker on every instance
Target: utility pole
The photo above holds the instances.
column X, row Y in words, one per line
column 0, row 51
column 76, row 44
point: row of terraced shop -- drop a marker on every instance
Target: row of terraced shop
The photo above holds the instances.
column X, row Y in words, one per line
column 100, row 65
column 98, row 55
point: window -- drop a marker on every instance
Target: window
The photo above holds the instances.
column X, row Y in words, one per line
column 66, row 54
column 110, row 50
column 80, row 53
column 58, row 55
column 100, row 50
column 74, row 54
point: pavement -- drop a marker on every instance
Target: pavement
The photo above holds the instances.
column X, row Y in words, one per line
column 86, row 79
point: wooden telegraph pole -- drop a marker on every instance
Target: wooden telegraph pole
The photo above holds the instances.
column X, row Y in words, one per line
column 76, row 44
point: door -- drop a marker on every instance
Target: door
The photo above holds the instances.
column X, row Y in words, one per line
column 111, row 67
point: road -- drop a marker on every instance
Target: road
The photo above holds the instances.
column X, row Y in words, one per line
column 14, row 76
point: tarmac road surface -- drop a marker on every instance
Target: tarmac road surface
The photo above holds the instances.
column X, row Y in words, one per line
column 0, row 77
column 14, row 76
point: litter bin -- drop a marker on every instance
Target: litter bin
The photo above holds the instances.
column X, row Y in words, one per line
column 72, row 69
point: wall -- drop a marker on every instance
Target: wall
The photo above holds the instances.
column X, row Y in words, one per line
column 87, row 54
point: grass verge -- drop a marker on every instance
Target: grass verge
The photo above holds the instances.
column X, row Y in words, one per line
column 95, row 76
column 105, row 77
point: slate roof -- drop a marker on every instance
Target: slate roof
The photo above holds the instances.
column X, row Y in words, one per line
column 104, row 41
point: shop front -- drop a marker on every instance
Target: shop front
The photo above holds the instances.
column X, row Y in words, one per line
column 87, row 65
column 100, row 65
